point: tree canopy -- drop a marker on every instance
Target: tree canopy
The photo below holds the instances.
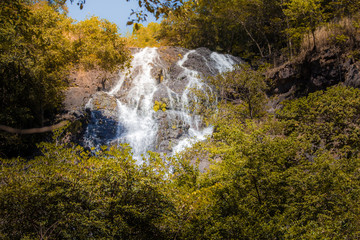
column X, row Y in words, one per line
column 144, row 36
column 289, row 174
column 155, row 7
column 39, row 46
column 268, row 179
column 263, row 28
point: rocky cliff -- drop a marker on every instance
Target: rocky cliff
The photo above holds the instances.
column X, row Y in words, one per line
column 315, row 70
column 108, row 109
column 124, row 110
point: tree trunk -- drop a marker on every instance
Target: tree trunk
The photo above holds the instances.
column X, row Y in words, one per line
column 257, row 190
column 252, row 38
column 314, row 40
column 287, row 34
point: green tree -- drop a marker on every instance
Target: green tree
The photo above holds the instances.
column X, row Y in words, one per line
column 340, row 8
column 98, row 45
column 242, row 86
column 329, row 119
column 265, row 185
column 305, row 17
column 190, row 26
column 34, row 60
column 67, row 193
column 267, row 179
column 144, row 36
column 39, row 46
column 238, row 26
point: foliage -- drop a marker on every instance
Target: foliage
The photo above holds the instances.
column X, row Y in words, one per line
column 269, row 180
column 97, row 44
column 268, row 188
column 238, row 26
column 242, row 86
column 38, row 48
column 304, row 16
column 144, row 36
column 159, row 105
column 328, row 119
column 252, row 28
column 289, row 176
column 34, row 60
column 67, row 194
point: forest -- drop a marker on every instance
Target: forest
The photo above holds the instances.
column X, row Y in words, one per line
column 287, row 173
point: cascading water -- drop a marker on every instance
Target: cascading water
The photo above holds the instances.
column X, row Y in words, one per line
column 127, row 113
column 195, row 132
column 136, row 107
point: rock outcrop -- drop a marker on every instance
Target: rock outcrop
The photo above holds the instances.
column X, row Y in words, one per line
column 83, row 84
column 125, row 104
column 314, row 71
column 172, row 127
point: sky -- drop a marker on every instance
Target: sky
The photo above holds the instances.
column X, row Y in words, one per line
column 116, row 11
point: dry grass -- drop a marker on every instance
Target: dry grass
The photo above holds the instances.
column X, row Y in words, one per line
column 343, row 32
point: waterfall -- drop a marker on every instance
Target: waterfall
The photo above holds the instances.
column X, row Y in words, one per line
column 136, row 107
column 127, row 112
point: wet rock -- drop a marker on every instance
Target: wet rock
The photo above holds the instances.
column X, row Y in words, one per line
column 101, row 129
column 170, row 55
column 138, row 90
column 105, row 104
column 172, row 129
column 166, row 95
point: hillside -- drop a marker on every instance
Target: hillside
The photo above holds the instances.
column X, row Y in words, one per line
column 265, row 94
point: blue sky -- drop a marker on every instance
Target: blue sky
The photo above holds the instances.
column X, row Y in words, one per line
column 117, row 11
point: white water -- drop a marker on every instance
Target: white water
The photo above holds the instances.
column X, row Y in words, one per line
column 135, row 100
column 196, row 133
column 135, row 113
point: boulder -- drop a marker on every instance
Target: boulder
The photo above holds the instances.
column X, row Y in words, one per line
column 83, row 84
column 105, row 104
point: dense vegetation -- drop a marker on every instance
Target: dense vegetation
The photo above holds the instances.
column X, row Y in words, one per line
column 263, row 28
column 293, row 174
column 39, row 46
column 267, row 30
column 145, row 36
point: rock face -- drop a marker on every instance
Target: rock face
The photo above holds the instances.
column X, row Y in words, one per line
column 122, row 110
column 104, row 103
column 83, row 85
column 103, row 126
column 173, row 124
column 352, row 73
column 147, row 106
column 317, row 70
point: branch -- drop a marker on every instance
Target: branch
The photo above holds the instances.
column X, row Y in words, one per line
column 33, row 130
